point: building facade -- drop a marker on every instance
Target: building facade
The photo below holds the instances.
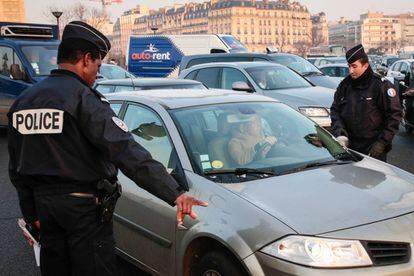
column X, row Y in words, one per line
column 257, row 24
column 407, row 29
column 376, row 31
column 381, row 33
column 123, row 28
column 12, row 11
column 320, row 30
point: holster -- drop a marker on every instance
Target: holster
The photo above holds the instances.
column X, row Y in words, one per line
column 108, row 194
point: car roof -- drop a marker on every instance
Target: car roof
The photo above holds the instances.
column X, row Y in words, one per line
column 147, row 81
column 334, row 65
column 238, row 64
column 180, row 98
column 241, row 54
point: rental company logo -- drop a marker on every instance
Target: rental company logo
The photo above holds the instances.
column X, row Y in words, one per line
column 151, row 54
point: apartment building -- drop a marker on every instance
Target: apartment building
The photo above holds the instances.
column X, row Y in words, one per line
column 12, row 11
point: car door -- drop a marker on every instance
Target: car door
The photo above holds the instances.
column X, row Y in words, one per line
column 404, row 73
column 393, row 71
column 144, row 225
column 10, row 89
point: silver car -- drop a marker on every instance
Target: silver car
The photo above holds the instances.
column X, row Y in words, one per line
column 307, row 207
column 269, row 79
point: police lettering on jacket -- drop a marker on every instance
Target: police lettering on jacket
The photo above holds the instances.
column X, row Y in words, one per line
column 38, row 121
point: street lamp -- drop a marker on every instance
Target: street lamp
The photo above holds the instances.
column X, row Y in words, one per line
column 154, row 29
column 57, row 14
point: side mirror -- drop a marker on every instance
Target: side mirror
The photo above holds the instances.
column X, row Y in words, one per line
column 241, row 86
column 383, row 64
column 16, row 73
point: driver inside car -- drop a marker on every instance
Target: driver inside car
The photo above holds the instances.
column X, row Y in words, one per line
column 248, row 143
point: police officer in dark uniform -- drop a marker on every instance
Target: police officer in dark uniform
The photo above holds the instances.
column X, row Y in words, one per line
column 366, row 111
column 65, row 147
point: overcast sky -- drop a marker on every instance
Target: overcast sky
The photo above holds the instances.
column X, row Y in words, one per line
column 334, row 9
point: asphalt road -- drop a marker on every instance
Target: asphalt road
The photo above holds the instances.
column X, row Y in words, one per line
column 16, row 257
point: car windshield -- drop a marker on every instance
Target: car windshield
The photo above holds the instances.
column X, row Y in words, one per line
column 390, row 61
column 42, row 58
column 225, row 138
column 276, row 77
column 233, row 43
column 300, row 65
column 114, row 72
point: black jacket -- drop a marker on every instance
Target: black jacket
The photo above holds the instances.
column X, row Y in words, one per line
column 64, row 137
column 366, row 110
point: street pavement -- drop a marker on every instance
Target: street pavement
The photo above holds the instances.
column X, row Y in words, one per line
column 16, row 257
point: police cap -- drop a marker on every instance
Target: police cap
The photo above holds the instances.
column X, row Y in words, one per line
column 355, row 54
column 81, row 30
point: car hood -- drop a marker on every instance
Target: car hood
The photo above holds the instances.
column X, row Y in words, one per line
column 332, row 198
column 324, row 81
column 308, row 96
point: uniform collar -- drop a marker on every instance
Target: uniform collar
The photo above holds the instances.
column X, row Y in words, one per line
column 67, row 73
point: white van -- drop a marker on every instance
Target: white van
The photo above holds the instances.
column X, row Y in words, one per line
column 160, row 55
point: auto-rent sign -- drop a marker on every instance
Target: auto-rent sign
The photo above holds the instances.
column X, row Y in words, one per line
column 153, row 56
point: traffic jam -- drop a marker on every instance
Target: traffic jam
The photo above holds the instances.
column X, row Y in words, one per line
column 292, row 187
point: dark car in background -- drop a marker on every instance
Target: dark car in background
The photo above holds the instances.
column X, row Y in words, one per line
column 27, row 55
column 335, row 70
column 269, row 79
column 297, row 63
column 111, row 72
column 319, row 62
column 117, row 85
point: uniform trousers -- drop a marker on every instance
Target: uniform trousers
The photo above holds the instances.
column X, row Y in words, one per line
column 74, row 242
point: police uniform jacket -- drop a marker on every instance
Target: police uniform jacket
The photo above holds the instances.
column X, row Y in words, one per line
column 64, row 137
column 366, row 110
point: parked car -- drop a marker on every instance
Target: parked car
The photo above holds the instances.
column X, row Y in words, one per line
column 386, row 62
column 28, row 53
column 117, row 85
column 329, row 60
column 300, row 65
column 267, row 79
column 401, row 70
column 111, row 72
column 309, row 207
column 335, row 70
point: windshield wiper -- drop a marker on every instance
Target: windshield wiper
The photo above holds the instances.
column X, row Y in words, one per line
column 242, row 171
column 316, row 165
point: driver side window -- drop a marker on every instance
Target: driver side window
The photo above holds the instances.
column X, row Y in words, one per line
column 8, row 57
column 149, row 131
column 231, row 75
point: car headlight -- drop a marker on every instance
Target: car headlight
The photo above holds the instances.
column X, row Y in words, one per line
column 319, row 252
column 314, row 111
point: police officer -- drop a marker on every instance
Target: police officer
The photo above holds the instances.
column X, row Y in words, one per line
column 366, row 111
column 64, row 139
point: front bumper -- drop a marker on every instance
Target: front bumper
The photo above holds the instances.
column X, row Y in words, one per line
column 272, row 266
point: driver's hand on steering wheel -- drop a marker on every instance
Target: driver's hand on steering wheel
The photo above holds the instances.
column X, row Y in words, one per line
column 271, row 140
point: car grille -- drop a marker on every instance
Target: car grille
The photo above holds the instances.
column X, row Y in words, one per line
column 388, row 253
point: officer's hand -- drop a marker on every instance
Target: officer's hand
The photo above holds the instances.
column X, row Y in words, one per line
column 184, row 207
column 343, row 141
column 29, row 240
column 377, row 149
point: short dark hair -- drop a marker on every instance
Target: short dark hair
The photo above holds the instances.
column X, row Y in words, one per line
column 71, row 50
column 364, row 60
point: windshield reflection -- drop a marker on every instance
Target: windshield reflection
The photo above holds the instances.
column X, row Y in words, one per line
column 254, row 140
column 42, row 58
